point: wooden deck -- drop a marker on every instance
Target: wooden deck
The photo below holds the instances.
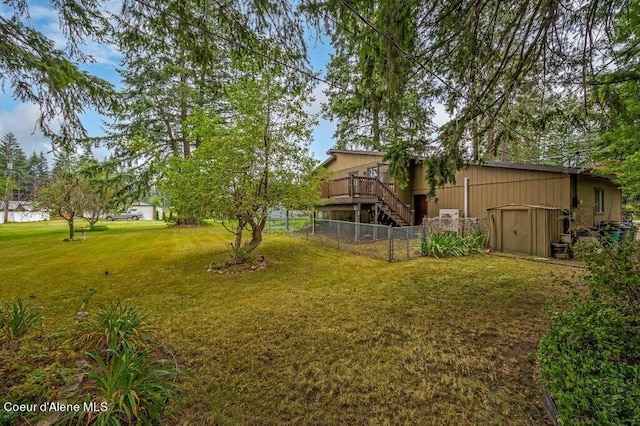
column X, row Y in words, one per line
column 355, row 190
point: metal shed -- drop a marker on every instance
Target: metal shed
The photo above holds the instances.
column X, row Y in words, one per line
column 522, row 228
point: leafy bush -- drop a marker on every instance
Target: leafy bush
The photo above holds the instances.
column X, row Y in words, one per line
column 590, row 357
column 452, row 244
column 614, row 273
column 16, row 319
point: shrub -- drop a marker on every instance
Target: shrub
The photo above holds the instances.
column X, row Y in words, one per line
column 16, row 319
column 452, row 244
column 589, row 359
column 614, row 273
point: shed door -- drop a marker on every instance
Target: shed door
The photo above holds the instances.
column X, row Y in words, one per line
column 515, row 231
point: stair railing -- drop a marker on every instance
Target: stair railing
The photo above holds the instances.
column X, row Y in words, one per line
column 369, row 187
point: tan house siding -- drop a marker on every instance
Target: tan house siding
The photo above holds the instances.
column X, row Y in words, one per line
column 585, row 212
column 490, row 185
column 343, row 165
column 493, row 186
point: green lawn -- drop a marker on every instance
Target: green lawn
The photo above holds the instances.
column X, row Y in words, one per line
column 320, row 337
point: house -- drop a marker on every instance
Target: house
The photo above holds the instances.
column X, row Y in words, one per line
column 362, row 191
column 22, row 211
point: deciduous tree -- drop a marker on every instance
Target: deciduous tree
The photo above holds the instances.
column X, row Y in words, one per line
column 252, row 162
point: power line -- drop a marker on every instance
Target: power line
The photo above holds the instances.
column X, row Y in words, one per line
column 425, row 68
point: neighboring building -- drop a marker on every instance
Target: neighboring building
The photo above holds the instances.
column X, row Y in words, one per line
column 22, row 211
column 363, row 191
column 148, row 210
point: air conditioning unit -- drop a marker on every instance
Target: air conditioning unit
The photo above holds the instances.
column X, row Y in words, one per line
column 449, row 219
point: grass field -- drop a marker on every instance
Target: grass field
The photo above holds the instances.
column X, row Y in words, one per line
column 320, row 337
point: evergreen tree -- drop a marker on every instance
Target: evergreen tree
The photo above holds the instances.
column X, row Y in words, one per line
column 35, row 71
column 178, row 59
column 11, row 153
column 380, row 98
column 505, row 72
column 36, row 171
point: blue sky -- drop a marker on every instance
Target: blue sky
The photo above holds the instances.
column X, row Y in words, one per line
column 20, row 118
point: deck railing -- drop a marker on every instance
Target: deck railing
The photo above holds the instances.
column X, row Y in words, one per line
column 368, row 187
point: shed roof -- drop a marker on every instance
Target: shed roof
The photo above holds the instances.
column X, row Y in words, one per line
column 527, row 206
column 18, row 206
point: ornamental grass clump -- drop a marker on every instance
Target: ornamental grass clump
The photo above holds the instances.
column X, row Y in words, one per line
column 16, row 319
column 116, row 327
column 589, row 359
column 128, row 382
column 452, row 244
column 129, row 387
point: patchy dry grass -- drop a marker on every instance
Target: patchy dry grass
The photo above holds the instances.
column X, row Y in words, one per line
column 320, row 337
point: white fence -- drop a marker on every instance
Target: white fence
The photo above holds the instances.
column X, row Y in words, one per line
column 25, row 216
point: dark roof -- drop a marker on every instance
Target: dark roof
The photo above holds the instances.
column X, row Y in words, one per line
column 497, row 164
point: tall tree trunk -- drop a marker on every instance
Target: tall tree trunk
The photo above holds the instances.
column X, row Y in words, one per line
column 72, row 230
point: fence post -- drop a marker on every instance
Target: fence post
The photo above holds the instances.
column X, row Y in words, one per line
column 390, row 238
column 338, row 235
column 286, row 221
column 313, row 223
column 407, row 228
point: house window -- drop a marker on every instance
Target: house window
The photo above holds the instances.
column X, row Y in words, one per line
column 599, row 205
column 372, row 172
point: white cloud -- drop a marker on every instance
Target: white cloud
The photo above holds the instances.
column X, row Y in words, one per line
column 38, row 13
column 47, row 21
column 319, row 98
column 441, row 115
column 21, row 121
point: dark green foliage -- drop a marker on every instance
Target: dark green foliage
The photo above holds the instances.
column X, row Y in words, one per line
column 452, row 244
column 590, row 357
column 16, row 319
column 614, row 273
column 11, row 152
column 8, row 418
column 34, row 70
column 590, row 362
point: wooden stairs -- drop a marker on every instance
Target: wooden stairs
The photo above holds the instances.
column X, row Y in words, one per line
column 392, row 210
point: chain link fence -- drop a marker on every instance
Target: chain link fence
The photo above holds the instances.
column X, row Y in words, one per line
column 378, row 241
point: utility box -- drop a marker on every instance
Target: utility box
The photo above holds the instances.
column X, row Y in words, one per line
column 522, row 228
column 449, row 219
